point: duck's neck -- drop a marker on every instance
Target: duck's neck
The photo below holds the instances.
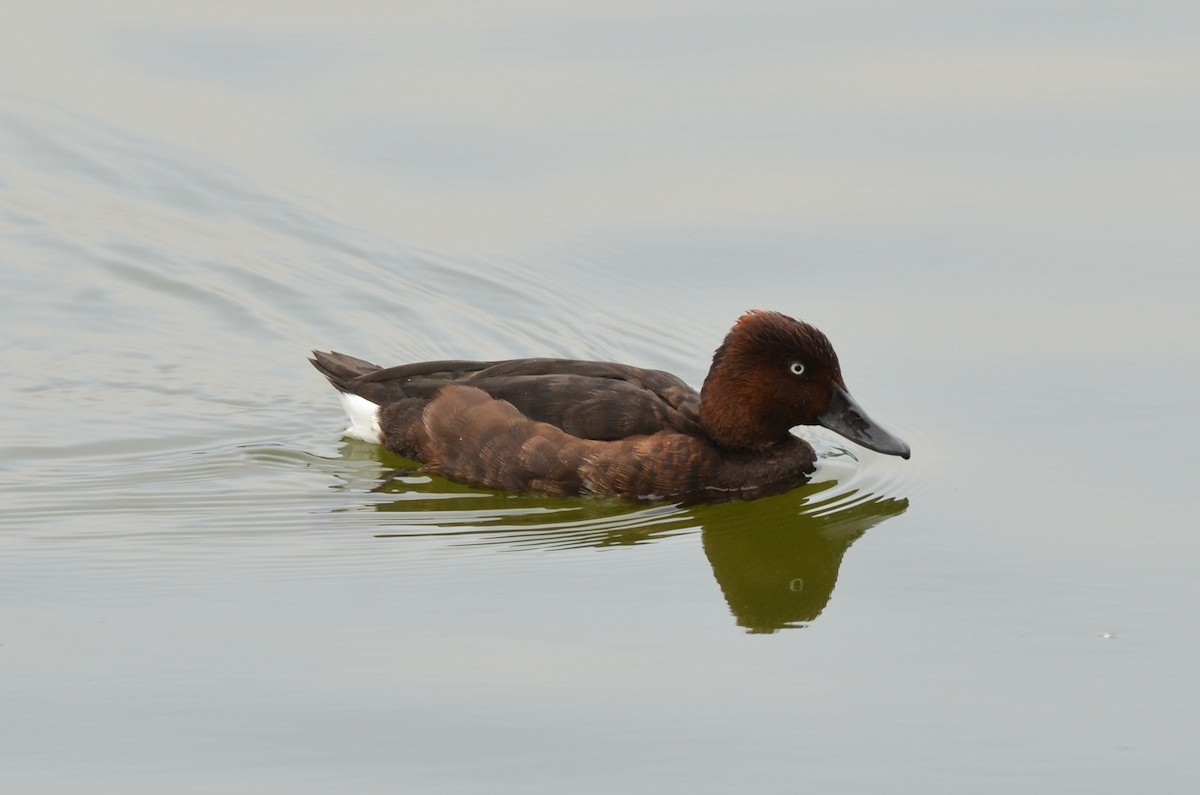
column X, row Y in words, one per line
column 738, row 416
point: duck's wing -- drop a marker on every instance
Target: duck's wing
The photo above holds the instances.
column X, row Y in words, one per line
column 591, row 400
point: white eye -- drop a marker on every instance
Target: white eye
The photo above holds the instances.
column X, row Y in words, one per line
column 796, row 368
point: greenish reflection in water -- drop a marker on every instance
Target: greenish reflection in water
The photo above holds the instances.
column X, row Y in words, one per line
column 776, row 559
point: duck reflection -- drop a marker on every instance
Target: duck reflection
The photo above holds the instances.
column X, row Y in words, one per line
column 775, row 559
column 777, row 564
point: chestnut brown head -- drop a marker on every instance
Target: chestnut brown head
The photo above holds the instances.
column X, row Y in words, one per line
column 774, row 372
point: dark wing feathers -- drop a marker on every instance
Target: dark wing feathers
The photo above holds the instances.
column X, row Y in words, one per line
column 590, row 408
column 589, row 400
column 593, row 400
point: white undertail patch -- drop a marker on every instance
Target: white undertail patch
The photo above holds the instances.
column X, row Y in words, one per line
column 364, row 418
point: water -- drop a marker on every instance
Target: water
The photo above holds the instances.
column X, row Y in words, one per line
column 990, row 210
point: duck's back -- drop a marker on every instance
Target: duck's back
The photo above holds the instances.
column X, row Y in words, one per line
column 588, row 400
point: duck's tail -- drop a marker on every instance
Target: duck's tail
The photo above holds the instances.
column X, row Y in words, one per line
column 343, row 372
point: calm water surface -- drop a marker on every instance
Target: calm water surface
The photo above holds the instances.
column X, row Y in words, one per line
column 991, row 211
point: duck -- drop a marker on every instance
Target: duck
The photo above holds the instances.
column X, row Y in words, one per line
column 569, row 427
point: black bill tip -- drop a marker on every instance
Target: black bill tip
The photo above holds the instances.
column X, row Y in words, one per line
column 845, row 417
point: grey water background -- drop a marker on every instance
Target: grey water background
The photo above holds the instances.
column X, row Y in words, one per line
column 990, row 208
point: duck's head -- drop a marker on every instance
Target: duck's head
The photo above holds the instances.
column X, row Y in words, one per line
column 773, row 373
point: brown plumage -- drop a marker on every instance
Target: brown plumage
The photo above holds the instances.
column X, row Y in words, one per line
column 562, row 426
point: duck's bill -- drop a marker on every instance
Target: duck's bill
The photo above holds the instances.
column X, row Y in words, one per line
column 847, row 418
